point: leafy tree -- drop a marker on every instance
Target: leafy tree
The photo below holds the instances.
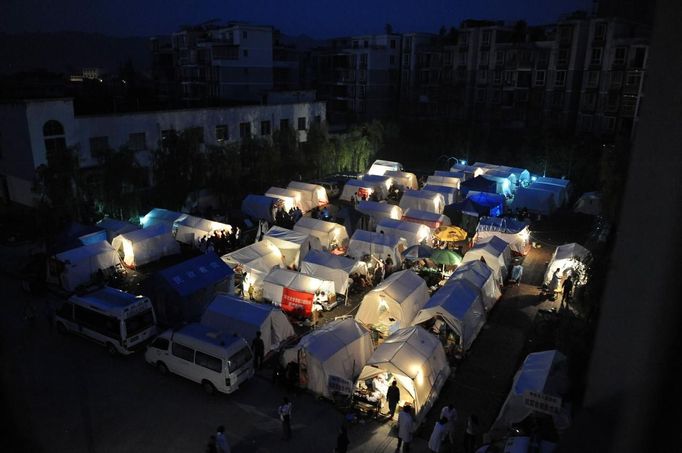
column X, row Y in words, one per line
column 59, row 185
column 120, row 176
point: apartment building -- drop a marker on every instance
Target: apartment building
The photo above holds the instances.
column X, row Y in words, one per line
column 29, row 129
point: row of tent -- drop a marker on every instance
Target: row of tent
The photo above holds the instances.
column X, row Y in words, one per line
column 297, row 194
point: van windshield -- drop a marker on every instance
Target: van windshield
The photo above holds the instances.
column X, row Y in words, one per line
column 139, row 322
column 239, row 359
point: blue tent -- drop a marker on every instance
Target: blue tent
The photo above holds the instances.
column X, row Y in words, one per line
column 478, row 184
column 181, row 292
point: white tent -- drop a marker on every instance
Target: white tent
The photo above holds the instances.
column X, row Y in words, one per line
column 452, row 174
column 416, row 360
column 380, row 167
column 393, row 303
column 403, row 179
column 447, row 181
column 290, row 197
column 292, row 244
column 481, row 276
column 381, row 184
column 330, row 234
column 535, row 200
column 542, row 372
column 430, row 219
column 522, row 175
column 335, row 268
column 81, row 263
column 332, row 356
column 469, row 170
column 233, row 315
column 422, row 200
column 114, row 227
column 514, row 232
column 496, row 254
column 505, row 185
column 589, row 203
column 558, row 192
column 375, row 244
column 378, row 210
column 568, row 258
column 449, row 193
column 355, row 187
column 312, row 195
column 259, row 207
column 190, row 229
column 164, row 216
column 256, row 260
column 565, row 183
column 293, row 290
column 460, row 305
column 413, row 233
column 146, row 245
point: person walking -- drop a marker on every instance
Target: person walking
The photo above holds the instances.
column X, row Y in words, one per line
column 285, row 416
column 471, row 433
column 258, row 350
column 221, row 441
column 438, row 434
column 342, row 440
column 567, row 287
column 450, row 413
column 405, row 428
column 393, row 396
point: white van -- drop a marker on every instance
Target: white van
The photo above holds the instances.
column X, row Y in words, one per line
column 118, row 320
column 214, row 359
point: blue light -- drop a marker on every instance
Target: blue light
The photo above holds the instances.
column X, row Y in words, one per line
column 533, row 178
column 464, row 162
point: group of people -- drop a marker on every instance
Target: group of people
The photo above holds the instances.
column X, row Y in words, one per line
column 220, row 242
column 564, row 282
column 322, row 214
column 287, row 219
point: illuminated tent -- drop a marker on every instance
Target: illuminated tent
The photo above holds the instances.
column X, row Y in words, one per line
column 358, row 187
column 114, row 227
column 80, row 264
column 256, row 259
column 522, row 175
column 413, row 233
column 381, row 184
column 233, row 315
column 481, row 276
column 416, row 360
column 332, row 356
column 589, row 203
column 512, row 231
column 449, row 193
column 496, row 254
column 164, row 216
column 403, row 179
column 144, row 246
column 430, row 219
column 544, row 372
column 393, row 303
column 312, row 195
column 537, row 201
column 330, row 267
column 380, row 167
column 379, row 211
column 477, row 184
column 292, row 244
column 459, row 304
column 377, row 245
column 190, row 229
column 469, row 170
column 462, row 176
column 294, row 291
column 448, row 181
column 568, row 258
column 423, row 201
column 511, row 173
column 290, row 197
column 259, row 207
column 329, row 233
column 504, row 183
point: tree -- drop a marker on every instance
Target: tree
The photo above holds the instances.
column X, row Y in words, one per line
column 120, row 176
column 59, row 185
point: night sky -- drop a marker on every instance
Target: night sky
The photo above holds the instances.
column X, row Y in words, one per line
column 316, row 18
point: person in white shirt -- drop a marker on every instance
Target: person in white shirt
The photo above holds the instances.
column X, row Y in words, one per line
column 450, row 413
column 405, row 428
column 438, row 434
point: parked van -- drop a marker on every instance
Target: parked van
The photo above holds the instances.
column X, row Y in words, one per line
column 118, row 320
column 214, row 359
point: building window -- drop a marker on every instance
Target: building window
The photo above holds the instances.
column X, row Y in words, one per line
column 480, row 95
column 509, row 77
column 244, row 130
column 562, row 57
column 540, row 78
column 486, row 37
column 244, row 35
column 391, row 59
column 137, row 141
column 638, row 59
column 245, row 53
column 301, row 123
column 619, row 56
column 595, row 58
column 392, row 43
column 363, row 60
column 55, row 143
column 0, row 146
column 633, row 80
column 284, row 124
column 592, row 79
column 499, row 57
column 222, row 133
column 355, row 45
column 600, row 30
column 560, row 79
column 361, row 91
column 612, row 102
column 616, row 78
column 265, row 128
column 406, row 60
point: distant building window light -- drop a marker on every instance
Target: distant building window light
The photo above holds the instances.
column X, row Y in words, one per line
column 222, row 133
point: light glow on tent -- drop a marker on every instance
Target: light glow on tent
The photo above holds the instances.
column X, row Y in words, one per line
column 144, row 219
column 128, row 254
column 383, row 305
column 463, row 162
column 533, row 178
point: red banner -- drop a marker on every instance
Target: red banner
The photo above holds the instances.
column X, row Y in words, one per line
column 297, row 302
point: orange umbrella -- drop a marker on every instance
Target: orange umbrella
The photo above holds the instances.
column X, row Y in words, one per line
column 450, row 234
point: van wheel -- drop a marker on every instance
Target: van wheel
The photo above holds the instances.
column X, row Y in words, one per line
column 61, row 328
column 111, row 349
column 163, row 369
column 208, row 387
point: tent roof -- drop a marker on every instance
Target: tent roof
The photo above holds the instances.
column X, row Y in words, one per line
column 284, row 234
column 85, row 251
column 330, row 260
column 258, row 206
column 239, row 309
column 377, row 207
column 555, row 181
column 115, row 224
column 568, row 251
column 197, row 273
column 317, row 224
column 253, row 252
column 375, row 179
column 476, row 272
column 360, row 183
column 325, row 341
column 501, row 224
column 435, row 188
column 400, row 225
column 376, row 238
column 406, row 350
column 163, row 214
column 426, row 195
column 399, row 285
column 286, row 278
column 146, row 233
column 305, row 186
column 280, row 191
column 110, row 299
column 535, row 371
column 203, row 224
column 456, row 297
column 479, row 184
column 452, row 174
column 493, row 245
column 486, row 198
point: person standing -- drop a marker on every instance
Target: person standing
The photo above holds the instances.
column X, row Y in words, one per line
column 221, row 441
column 554, row 284
column 438, row 434
column 285, row 416
column 567, row 287
column 405, row 428
column 389, row 265
column 393, row 396
column 450, row 413
column 342, row 440
column 471, row 433
column 258, row 350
